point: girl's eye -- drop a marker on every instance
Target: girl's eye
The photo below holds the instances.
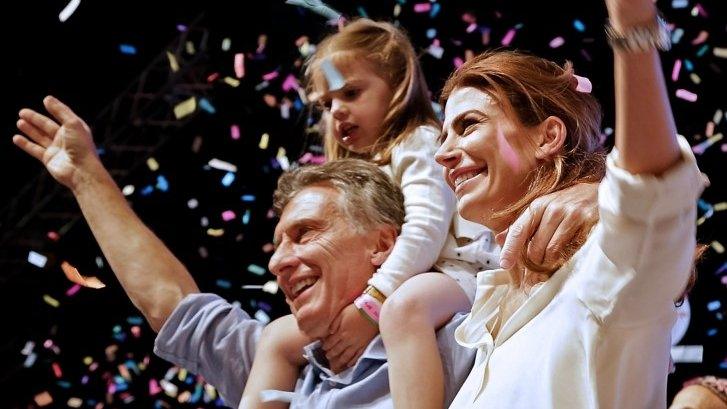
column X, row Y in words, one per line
column 350, row 93
column 325, row 104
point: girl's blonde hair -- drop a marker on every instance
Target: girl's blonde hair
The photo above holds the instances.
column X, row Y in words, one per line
column 530, row 89
column 389, row 53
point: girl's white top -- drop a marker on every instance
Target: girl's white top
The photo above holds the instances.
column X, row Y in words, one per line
column 597, row 333
column 433, row 236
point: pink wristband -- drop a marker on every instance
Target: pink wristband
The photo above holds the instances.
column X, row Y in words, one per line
column 370, row 306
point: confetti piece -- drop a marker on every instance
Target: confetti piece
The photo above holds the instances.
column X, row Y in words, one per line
column 290, row 83
column 222, row 165
column 256, row 269
column 215, row 232
column 246, row 217
column 28, row 348
column 579, row 26
column 213, row 77
column 509, row 36
column 223, row 283
column 686, row 95
column 73, row 290
column 185, row 108
column 228, row 215
column 717, row 246
column 687, row 353
column 226, row 43
column 719, row 52
column 318, row 7
column 74, row 276
column 422, row 7
column 719, row 207
column 695, row 78
column 152, row 164
column 282, row 159
column 43, row 399
column 53, row 236
column 235, row 132
column 679, row 4
column 37, row 259
column 270, row 287
column 51, row 301
column 333, row 77
column 30, row 360
column 676, row 69
column 264, row 139
column 701, row 37
column 702, row 146
column 436, row 7
column 271, row 76
column 67, row 12
column 714, row 305
column 206, row 105
column 189, row 48
column 435, row 50
column 128, row 190
column 154, row 387
column 162, row 183
column 676, row 36
column 231, row 82
column 262, row 316
column 127, row 49
column 247, row 198
column 556, row 42
column 74, row 402
column 173, row 64
column 228, row 179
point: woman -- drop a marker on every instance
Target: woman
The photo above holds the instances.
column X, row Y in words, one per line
column 596, row 334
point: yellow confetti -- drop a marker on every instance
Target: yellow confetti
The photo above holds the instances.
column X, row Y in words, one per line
column 75, row 402
column 87, row 360
column 720, row 52
column 152, row 164
column 226, row 43
column 695, row 78
column 718, row 207
column 182, row 375
column 215, row 232
column 185, row 108
column 51, row 301
column 189, row 47
column 173, row 64
column 43, row 399
column 264, row 139
column 717, row 246
column 232, row 82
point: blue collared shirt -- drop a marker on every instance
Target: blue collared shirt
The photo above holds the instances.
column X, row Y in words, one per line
column 215, row 339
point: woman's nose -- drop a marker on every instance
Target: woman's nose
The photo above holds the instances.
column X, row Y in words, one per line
column 447, row 155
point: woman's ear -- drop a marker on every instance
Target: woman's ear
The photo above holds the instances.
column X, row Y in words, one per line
column 553, row 133
column 387, row 235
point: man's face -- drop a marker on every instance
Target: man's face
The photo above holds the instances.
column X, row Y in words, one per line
column 321, row 260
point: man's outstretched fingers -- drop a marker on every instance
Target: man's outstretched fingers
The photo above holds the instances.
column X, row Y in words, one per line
column 519, row 233
column 565, row 234
column 549, row 223
column 59, row 110
column 34, row 133
column 40, row 121
column 29, row 147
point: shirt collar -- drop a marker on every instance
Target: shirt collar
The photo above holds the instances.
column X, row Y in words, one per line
column 316, row 357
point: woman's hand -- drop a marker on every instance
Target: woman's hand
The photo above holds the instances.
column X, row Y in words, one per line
column 64, row 145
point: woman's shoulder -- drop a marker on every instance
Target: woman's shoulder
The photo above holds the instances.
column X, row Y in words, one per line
column 422, row 139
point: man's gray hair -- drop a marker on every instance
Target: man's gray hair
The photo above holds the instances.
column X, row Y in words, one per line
column 369, row 196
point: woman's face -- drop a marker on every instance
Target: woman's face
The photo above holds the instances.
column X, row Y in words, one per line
column 487, row 156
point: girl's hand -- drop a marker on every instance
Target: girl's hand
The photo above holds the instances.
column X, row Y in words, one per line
column 351, row 333
column 64, row 145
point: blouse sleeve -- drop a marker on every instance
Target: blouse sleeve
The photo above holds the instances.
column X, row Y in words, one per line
column 640, row 255
column 429, row 205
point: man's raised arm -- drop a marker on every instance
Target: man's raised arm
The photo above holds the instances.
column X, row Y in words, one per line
column 154, row 279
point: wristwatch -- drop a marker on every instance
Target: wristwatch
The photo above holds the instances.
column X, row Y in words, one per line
column 641, row 38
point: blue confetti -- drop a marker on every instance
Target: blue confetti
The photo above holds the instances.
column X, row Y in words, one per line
column 714, row 305
column 256, row 269
column 711, row 332
column 679, row 4
column 147, row 190
column 135, row 320
column 162, row 183
column 205, row 105
column 431, row 33
column 127, row 49
column 223, row 283
column 228, row 179
column 435, row 10
column 246, row 217
column 248, row 198
column 579, row 26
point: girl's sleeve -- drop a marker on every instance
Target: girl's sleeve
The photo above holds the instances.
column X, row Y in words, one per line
column 640, row 255
column 429, row 205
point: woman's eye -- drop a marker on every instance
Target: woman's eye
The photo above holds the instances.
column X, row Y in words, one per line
column 467, row 125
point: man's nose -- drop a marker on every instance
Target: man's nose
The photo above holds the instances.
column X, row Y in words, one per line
column 283, row 261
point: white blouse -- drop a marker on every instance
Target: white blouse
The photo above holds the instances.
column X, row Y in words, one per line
column 597, row 333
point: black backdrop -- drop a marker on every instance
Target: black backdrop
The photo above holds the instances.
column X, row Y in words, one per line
column 92, row 346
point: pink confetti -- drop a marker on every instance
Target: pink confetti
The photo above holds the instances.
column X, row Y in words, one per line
column 709, row 131
column 556, row 42
column 676, row 69
column 702, row 37
column 235, row 132
column 458, row 62
column 53, row 236
column 57, row 370
column 270, row 76
column 686, row 95
column 290, row 83
column 228, row 215
column 239, row 65
column 136, row 331
column 73, row 290
column 154, row 387
column 472, row 27
column 212, row 77
column 422, row 7
column 724, row 149
column 509, row 36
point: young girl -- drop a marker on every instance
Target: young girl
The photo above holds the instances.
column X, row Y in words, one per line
column 377, row 107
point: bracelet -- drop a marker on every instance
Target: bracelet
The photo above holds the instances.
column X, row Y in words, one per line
column 369, row 307
column 640, row 38
column 374, row 292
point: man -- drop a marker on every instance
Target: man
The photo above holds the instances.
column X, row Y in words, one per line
column 338, row 222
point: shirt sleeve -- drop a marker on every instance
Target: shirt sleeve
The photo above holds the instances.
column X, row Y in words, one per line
column 640, row 254
column 457, row 361
column 210, row 337
column 429, row 203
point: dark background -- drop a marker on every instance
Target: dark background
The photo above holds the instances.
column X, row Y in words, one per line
column 79, row 61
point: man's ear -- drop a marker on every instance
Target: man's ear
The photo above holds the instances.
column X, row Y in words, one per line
column 387, row 235
column 552, row 137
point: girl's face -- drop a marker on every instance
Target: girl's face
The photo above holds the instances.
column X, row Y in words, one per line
column 357, row 110
column 487, row 156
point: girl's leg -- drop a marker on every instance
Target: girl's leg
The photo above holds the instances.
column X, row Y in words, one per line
column 409, row 320
column 277, row 362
